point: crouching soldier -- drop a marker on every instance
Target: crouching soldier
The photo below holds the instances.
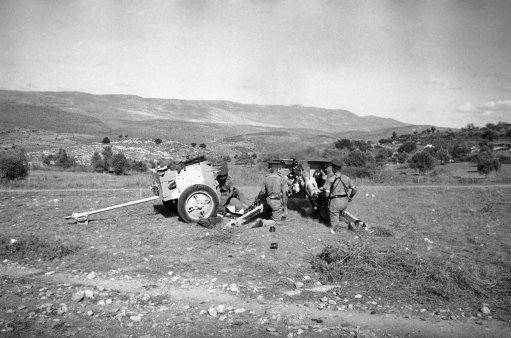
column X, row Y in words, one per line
column 340, row 191
column 229, row 194
column 274, row 190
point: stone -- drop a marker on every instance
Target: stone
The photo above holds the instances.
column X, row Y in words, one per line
column 101, row 302
column 485, row 310
column 220, row 308
column 89, row 294
column 324, row 299
column 306, row 278
column 358, row 296
column 108, row 301
column 100, row 288
column 91, row 275
column 212, row 312
column 233, row 288
column 239, row 311
column 90, row 313
column 298, row 285
column 332, row 302
column 271, row 329
column 299, row 332
column 78, row 296
column 136, row 318
column 222, row 318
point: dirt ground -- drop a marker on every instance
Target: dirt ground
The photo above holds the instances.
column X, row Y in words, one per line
column 141, row 271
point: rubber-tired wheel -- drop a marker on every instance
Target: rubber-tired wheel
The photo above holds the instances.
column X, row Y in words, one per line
column 197, row 201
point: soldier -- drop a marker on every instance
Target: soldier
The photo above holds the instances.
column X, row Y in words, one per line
column 274, row 189
column 229, row 194
column 340, row 192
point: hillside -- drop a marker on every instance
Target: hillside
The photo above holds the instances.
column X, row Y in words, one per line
column 125, row 112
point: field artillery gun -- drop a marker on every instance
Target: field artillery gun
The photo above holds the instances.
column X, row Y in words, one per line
column 305, row 180
column 188, row 187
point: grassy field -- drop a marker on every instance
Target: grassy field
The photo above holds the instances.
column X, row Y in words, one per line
column 437, row 252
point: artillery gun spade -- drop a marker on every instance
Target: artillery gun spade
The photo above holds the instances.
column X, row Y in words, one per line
column 187, row 186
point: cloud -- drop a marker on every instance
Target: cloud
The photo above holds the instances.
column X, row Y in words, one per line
column 490, row 111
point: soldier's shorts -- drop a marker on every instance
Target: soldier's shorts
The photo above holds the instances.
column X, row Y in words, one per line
column 276, row 208
column 335, row 207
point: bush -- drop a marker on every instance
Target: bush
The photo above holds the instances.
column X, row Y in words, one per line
column 97, row 163
column 487, row 162
column 402, row 157
column 358, row 172
column 120, row 164
column 459, row 151
column 158, row 141
column 14, row 165
column 343, row 144
column 202, row 145
column 422, row 161
column 355, row 158
column 60, row 159
column 442, row 155
column 105, row 140
column 407, row 147
column 382, row 155
column 107, row 157
column 490, row 135
column 193, row 144
column 139, row 166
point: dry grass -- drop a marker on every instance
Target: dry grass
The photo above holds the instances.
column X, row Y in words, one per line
column 34, row 248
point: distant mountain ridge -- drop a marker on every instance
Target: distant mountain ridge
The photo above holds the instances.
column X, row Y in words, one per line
column 114, row 111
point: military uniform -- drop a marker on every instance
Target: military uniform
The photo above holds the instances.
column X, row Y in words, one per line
column 228, row 193
column 339, row 191
column 274, row 188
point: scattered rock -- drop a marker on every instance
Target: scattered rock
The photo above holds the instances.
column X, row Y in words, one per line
column 91, row 275
column 136, row 318
column 306, row 278
column 62, row 309
column 324, row 299
column 78, row 297
column 89, row 294
column 90, row 313
column 298, row 285
column 233, row 288
column 108, row 301
column 332, row 302
column 212, row 312
column 271, row 329
column 239, row 311
column 220, row 308
column 101, row 302
column 485, row 310
column 100, row 288
column 317, row 320
column 222, row 318
column 358, row 296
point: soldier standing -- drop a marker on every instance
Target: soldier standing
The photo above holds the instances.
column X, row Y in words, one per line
column 274, row 189
column 340, row 192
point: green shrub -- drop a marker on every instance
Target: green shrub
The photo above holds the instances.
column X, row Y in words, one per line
column 422, row 161
column 158, row 141
column 60, row 159
column 355, row 158
column 97, row 163
column 402, row 157
column 407, row 147
column 14, row 165
column 105, row 140
column 120, row 164
column 442, row 155
column 343, row 144
column 487, row 162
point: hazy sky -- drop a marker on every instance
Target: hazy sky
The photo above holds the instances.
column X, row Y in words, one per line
column 436, row 62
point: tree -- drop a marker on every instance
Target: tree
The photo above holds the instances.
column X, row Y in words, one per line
column 422, row 161
column 442, row 155
column 158, row 141
column 382, row 154
column 394, row 135
column 402, row 157
column 107, row 157
column 14, row 165
column 459, row 151
column 355, row 158
column 97, row 163
column 407, row 147
column 487, row 162
column 433, row 128
column 343, row 143
column 63, row 160
column 105, row 140
column 489, row 134
column 120, row 163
